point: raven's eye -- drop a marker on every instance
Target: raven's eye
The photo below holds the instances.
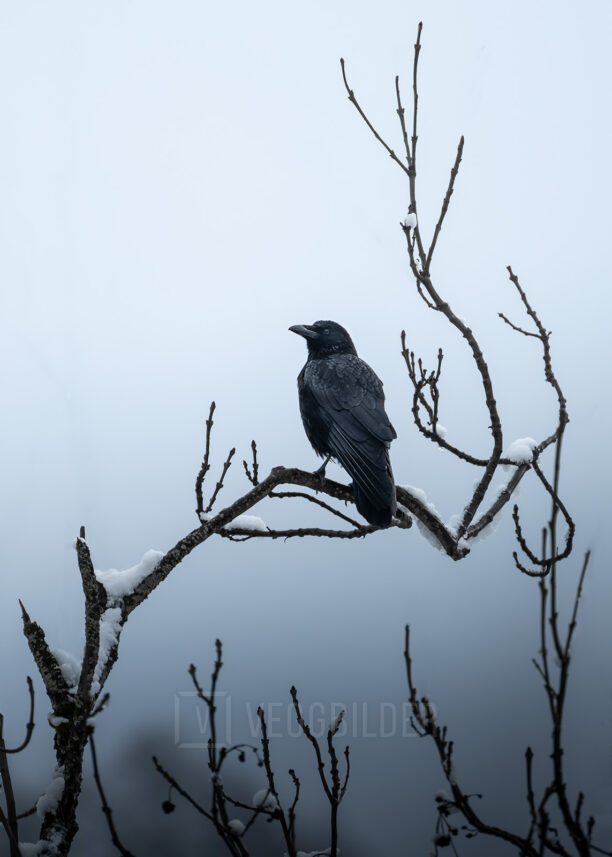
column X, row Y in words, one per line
column 326, row 331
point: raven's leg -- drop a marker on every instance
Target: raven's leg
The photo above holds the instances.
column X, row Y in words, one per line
column 321, row 471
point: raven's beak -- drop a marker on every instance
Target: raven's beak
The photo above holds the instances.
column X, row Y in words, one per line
column 303, row 330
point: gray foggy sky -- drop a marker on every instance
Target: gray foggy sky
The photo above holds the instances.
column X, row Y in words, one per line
column 180, row 183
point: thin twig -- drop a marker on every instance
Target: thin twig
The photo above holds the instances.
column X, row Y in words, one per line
column 445, row 203
column 252, row 475
column 29, row 724
column 226, row 466
column 353, row 100
column 106, row 809
column 175, row 785
column 205, row 467
column 9, row 821
column 312, row 499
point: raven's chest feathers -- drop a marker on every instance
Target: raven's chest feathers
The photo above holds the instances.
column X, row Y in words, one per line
column 316, row 421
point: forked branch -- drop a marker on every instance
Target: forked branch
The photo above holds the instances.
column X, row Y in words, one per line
column 426, row 395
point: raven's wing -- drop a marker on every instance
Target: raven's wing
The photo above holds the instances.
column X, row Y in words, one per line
column 350, row 396
column 352, row 393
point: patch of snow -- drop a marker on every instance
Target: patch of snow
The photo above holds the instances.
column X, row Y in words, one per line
column 69, row 666
column 50, row 799
column 453, row 524
column 264, row 799
column 32, row 849
column 410, row 221
column 56, row 721
column 236, row 826
column 440, row 430
column 42, row 848
column 521, row 451
column 121, row 583
column 110, row 629
column 247, row 522
column 463, row 544
column 420, row 495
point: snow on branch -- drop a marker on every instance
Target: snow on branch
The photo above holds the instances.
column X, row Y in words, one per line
column 118, row 583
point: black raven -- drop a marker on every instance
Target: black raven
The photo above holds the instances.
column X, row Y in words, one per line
column 343, row 411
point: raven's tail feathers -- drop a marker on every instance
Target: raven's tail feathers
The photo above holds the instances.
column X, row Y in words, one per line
column 374, row 513
column 369, row 465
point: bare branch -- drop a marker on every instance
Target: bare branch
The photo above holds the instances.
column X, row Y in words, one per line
column 402, row 118
column 205, row 463
column 175, row 785
column 315, row 744
column 420, row 384
column 445, row 203
column 226, row 466
column 572, row 625
column 265, row 744
column 9, row 821
column 252, row 476
column 544, row 337
column 516, row 327
column 106, row 809
column 29, row 724
column 312, row 499
column 424, row 717
column 359, row 109
column 498, row 504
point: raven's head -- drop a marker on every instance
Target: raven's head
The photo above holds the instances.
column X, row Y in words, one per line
column 325, row 338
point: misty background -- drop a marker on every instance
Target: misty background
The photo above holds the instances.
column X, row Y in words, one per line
column 179, row 184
